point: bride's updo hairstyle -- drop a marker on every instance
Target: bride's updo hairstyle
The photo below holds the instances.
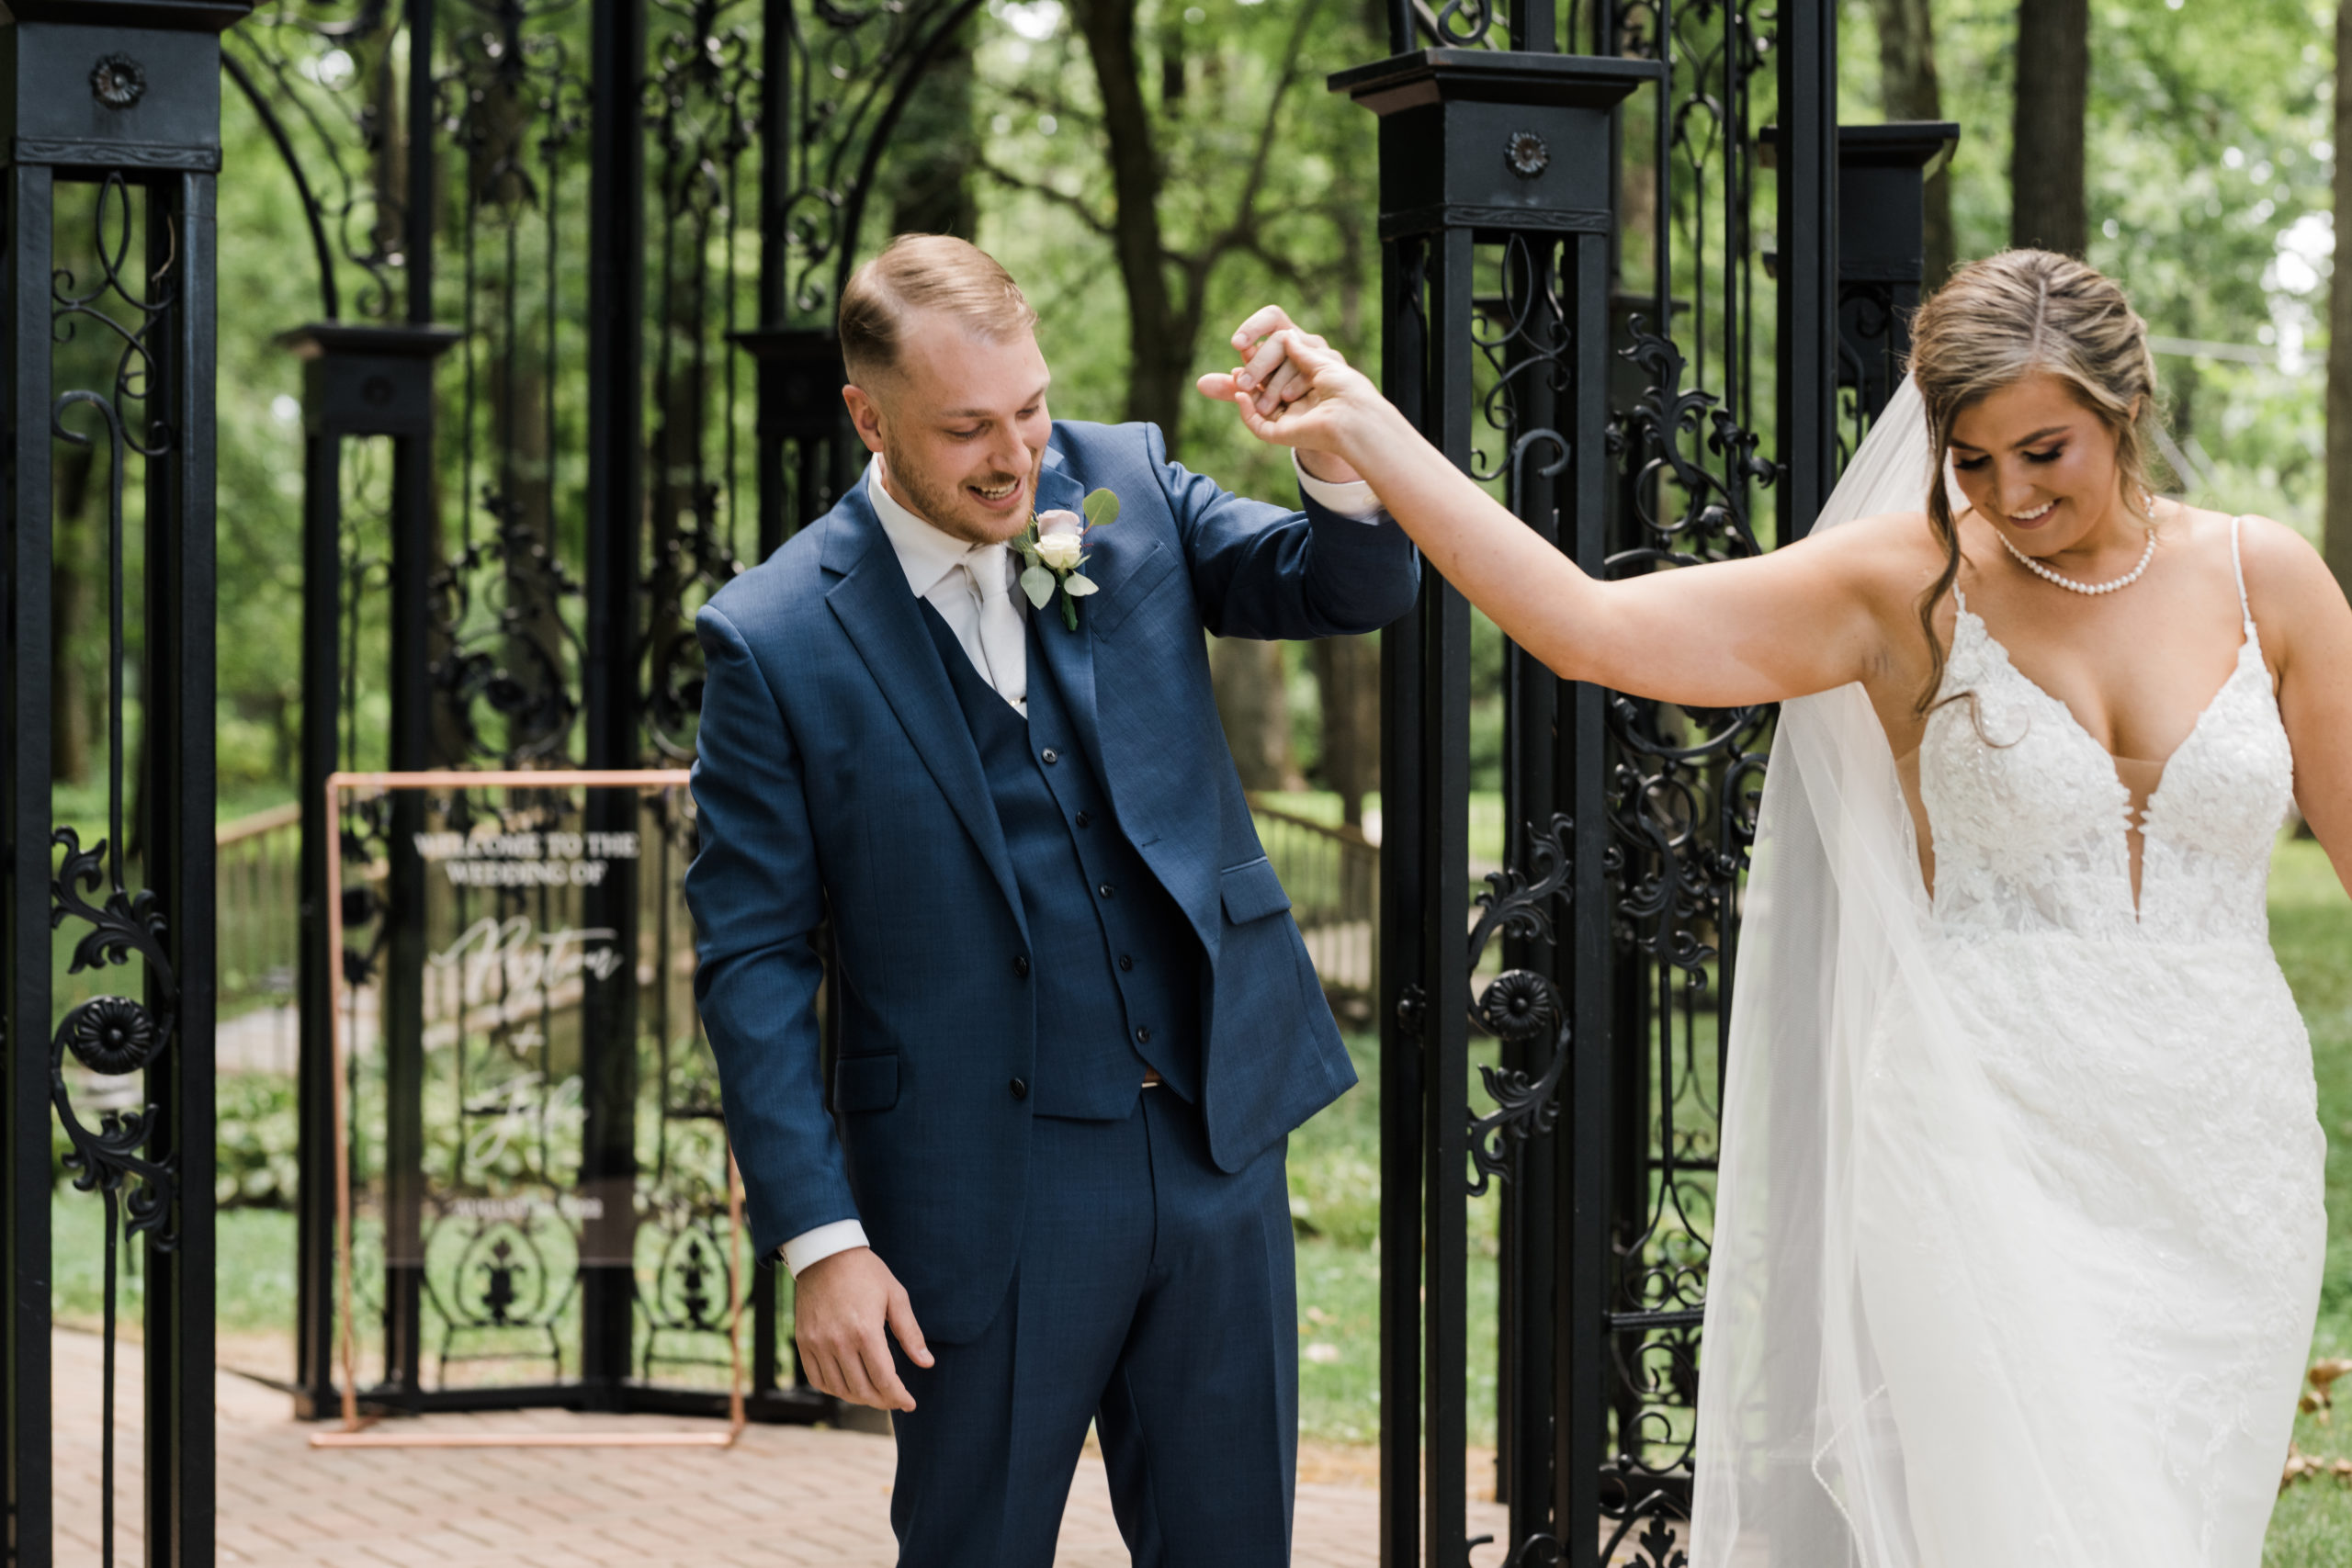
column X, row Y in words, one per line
column 1999, row 321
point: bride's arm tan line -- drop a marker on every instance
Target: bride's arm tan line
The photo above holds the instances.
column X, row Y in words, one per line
column 2305, row 625
column 1796, row 621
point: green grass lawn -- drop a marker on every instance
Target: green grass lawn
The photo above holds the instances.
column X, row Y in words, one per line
column 2311, row 927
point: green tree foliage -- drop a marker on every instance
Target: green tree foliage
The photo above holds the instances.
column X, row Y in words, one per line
column 1249, row 209
column 2208, row 174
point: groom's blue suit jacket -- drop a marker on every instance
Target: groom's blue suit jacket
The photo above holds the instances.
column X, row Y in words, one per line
column 838, row 776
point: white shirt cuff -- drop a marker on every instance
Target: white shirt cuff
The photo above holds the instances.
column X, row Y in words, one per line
column 815, row 1246
column 1352, row 500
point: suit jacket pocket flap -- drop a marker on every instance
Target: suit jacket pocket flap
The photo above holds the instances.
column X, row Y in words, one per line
column 1252, row 891
column 1131, row 587
column 867, row 1083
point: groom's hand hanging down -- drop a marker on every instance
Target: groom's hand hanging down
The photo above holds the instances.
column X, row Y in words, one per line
column 1284, row 367
column 840, row 1306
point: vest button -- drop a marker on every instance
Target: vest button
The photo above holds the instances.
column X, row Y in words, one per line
column 1127, row 961
column 1084, row 821
column 1106, row 890
column 1051, row 755
column 1143, row 1036
column 1021, row 965
column 1019, row 1087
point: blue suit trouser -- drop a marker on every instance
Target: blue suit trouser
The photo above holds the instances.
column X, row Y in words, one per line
column 1155, row 1296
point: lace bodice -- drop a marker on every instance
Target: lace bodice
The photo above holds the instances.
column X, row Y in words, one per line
column 2032, row 822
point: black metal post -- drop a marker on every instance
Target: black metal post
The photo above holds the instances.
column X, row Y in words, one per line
column 178, row 754
column 803, row 427
column 1444, row 849
column 1807, row 157
column 1882, row 172
column 125, row 97
column 1535, row 332
column 1404, row 907
column 1481, row 148
column 357, row 382
column 1581, row 1209
column 25, row 703
column 612, row 699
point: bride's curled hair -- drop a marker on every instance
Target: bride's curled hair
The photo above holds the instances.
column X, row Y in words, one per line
column 2000, row 320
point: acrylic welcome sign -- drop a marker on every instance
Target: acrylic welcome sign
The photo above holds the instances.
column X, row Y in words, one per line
column 527, row 1130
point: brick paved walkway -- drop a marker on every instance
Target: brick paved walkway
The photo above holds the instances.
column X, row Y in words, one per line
column 783, row 1496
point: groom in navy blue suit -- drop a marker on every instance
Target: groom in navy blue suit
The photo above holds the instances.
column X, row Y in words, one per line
column 1077, row 1021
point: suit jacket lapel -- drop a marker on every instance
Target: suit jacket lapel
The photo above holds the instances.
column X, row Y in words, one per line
column 879, row 612
column 1069, row 655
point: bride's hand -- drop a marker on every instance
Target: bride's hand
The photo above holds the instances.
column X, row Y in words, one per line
column 1296, row 390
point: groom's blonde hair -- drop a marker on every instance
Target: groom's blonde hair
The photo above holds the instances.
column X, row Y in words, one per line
column 924, row 272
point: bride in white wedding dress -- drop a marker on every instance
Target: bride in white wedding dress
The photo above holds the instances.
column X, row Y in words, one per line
column 2019, row 1230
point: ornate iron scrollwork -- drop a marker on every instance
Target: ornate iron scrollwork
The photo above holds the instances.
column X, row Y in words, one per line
column 322, row 88
column 702, row 98
column 849, row 73
column 1523, row 333
column 1683, row 793
column 113, row 1035
column 1520, row 1005
column 516, row 660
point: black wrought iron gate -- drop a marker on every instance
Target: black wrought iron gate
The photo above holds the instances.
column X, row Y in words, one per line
column 510, row 203
column 1573, row 255
column 574, row 370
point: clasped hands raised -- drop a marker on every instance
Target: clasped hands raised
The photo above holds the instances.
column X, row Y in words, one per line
column 1295, row 390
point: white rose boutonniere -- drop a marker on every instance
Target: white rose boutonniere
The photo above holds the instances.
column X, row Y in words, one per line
column 1053, row 547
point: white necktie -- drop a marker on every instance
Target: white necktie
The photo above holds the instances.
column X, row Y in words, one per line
column 1003, row 641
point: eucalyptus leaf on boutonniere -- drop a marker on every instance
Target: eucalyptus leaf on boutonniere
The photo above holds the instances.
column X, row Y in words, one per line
column 1053, row 548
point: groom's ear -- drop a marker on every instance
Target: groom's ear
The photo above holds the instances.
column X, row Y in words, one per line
column 866, row 414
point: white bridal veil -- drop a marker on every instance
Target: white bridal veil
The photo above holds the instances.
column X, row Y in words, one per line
column 1801, row 1458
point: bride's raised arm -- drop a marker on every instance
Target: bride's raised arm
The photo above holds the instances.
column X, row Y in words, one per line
column 1796, row 621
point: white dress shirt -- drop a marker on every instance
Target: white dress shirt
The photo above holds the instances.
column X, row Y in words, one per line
column 954, row 578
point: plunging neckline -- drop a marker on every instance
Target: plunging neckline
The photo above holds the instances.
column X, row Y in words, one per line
column 2249, row 650
column 2164, row 768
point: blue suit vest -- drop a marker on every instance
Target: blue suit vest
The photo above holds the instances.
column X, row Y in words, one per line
column 1114, row 966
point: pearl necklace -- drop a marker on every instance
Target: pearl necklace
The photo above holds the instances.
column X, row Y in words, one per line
column 2110, row 586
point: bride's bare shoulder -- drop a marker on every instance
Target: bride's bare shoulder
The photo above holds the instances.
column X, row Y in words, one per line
column 2287, row 581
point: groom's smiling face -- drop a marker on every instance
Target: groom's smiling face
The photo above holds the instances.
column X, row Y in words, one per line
column 961, row 425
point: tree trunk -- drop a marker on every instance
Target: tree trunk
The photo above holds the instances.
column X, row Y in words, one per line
column 1347, row 672
column 2052, row 99
column 1249, row 703
column 1907, row 64
column 1160, row 348
column 2338, row 540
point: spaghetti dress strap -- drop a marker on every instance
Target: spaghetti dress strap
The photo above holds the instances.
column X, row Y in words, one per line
column 2237, row 564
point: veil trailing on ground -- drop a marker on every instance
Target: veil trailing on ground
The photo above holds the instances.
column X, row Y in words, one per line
column 1800, row 1459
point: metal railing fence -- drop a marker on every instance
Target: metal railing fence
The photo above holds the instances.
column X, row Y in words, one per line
column 1332, row 874
column 257, row 908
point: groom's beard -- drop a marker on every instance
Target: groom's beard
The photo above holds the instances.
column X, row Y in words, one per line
column 946, row 507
